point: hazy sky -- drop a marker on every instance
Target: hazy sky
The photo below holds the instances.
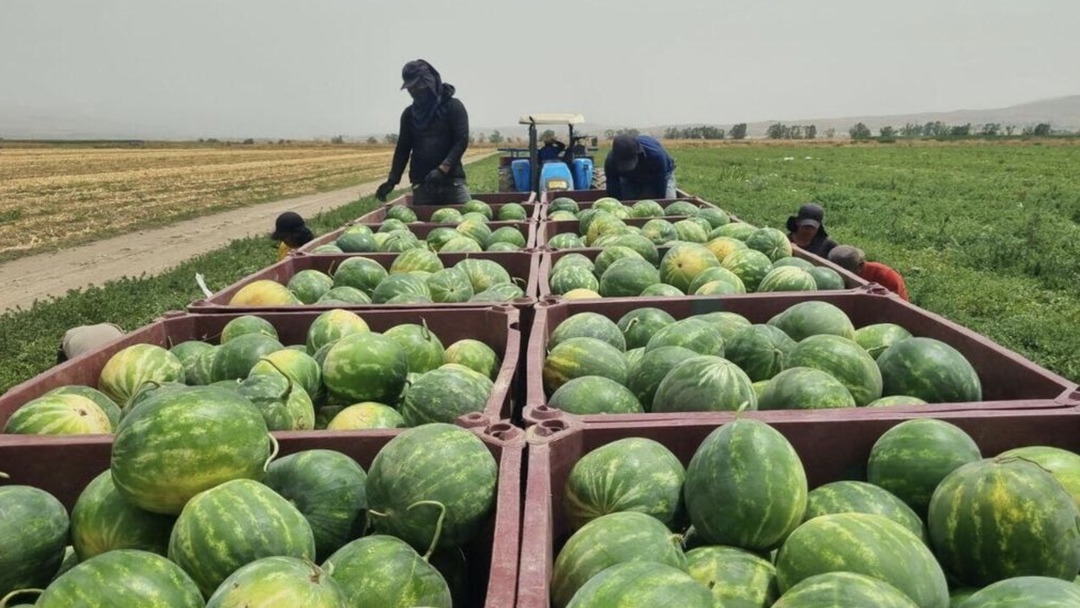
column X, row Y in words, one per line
column 276, row 68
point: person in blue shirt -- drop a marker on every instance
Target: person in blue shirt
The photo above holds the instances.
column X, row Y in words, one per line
column 638, row 167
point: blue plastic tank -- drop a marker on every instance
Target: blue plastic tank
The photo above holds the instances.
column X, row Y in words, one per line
column 520, row 169
column 555, row 175
column 583, row 172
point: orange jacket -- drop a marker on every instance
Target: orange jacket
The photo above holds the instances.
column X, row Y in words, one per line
column 886, row 277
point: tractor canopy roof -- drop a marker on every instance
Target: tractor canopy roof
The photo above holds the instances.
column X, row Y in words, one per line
column 551, row 119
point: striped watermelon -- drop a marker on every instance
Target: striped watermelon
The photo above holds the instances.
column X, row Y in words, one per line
column 234, row 360
column 735, row 230
column 416, row 259
column 579, row 357
column 714, row 215
column 284, row 405
column 474, row 355
column 102, row 520
column 177, row 444
column 787, row 278
column 107, row 405
column 646, row 208
column 631, row 474
column 477, row 206
column 364, row 274
column 450, row 286
column 33, row 533
column 401, row 213
column 330, row 248
column 476, row 230
column 702, row 384
column 681, row 209
column 804, row 388
column 836, row 589
column 895, row 400
column 633, row 356
column 328, row 488
column 572, row 277
column 813, row 318
column 661, row 290
column 930, row 370
column 126, row 371
column 735, row 577
column 188, row 353
column 588, row 325
column 213, row 536
column 404, row 284
column 637, row 326
column 365, row 416
column 356, row 239
column 422, row 347
column 844, row 360
column 581, row 294
column 770, row 241
column 880, row 336
column 572, row 259
column 641, row 584
column 644, row 377
column 910, row 459
column 659, row 231
column 727, row 322
column 1024, row 592
column 862, row 497
column 718, row 288
column 443, row 394
column 1062, row 464
column 59, row 414
column 750, row 265
column 382, row 570
column 864, row 544
column 148, row 581
column 512, row 212
column 722, row 246
column 430, row 473
column 445, row 215
column 745, row 487
column 566, row 240
column 483, row 274
column 995, row 519
column 365, row 367
column 343, row 296
column 683, row 262
column 294, row 364
column 264, row 293
column 563, row 203
column 504, row 292
column 589, row 395
column 792, row 261
column 640, row 244
column 760, row 350
column 247, row 324
column 691, row 232
column 201, row 372
column 461, row 244
column 718, row 273
column 693, row 334
column 611, row 254
column 627, row 278
column 616, row 538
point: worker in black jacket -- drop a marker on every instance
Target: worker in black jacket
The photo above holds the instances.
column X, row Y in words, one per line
column 433, row 137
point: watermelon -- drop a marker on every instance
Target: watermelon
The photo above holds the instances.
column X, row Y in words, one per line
column 59, row 414
column 423, row 348
column 660, row 290
column 750, row 265
column 570, row 278
column 693, row 334
column 792, row 261
column 177, row 444
column 640, row 244
column 1026, row 591
column 704, row 383
column 328, row 488
column 416, row 259
column 581, row 294
column 770, row 241
column 213, row 536
column 382, row 570
column 264, row 293
column 714, row 215
column 284, row 405
column 443, row 394
column 644, row 377
column 895, row 400
column 477, row 206
column 616, row 538
column 910, row 459
column 1062, row 464
column 356, row 239
column 844, row 589
column 683, row 262
column 844, row 360
column 107, row 405
column 503, row 246
column 690, row 232
column 401, row 284
column 638, row 325
column 862, row 497
column 724, row 245
column 450, row 286
column 659, row 231
column 235, row 359
column 34, row 526
column 296, row 365
column 631, row 474
column 476, row 230
column 610, row 254
column 641, row 584
column 878, row 337
column 310, row 285
column 401, row 213
column 188, row 353
column 507, row 234
column 563, row 203
column 331, row 326
column 329, row 248
column 504, row 292
column 930, row 370
column 579, row 357
column 804, row 388
column 718, row 288
column 366, row 367
column 729, row 323
column 738, row 468
column 603, row 224
column 572, row 259
column 632, row 357
column 102, row 520
column 872, row 545
column 148, row 581
column 127, row 370
column 995, row 519
column 439, row 237
column 759, row 350
column 474, row 355
column 734, row 576
column 359, row 273
column 427, row 474
column 201, row 371
column 343, row 296
column 646, row 208
column 399, row 240
column 566, row 240
column 717, row 273
column 587, row 395
column 628, row 278
column 735, row 230
column 588, row 325
column 512, row 212
column 461, row 244
column 392, row 224
column 681, row 209
column 483, row 274
column 787, row 278
column 813, row 318
column 445, row 215
column 365, row 416
column 827, row 278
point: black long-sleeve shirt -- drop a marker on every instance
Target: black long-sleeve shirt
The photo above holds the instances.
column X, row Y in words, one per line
column 444, row 140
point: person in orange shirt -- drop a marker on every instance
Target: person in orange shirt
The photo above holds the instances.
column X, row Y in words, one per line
column 291, row 231
column 853, row 259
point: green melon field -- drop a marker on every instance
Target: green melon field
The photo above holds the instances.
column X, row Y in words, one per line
column 985, row 234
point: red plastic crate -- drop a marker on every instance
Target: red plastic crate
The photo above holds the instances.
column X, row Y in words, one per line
column 421, row 230
column 63, row 468
column 1009, row 381
column 830, row 448
column 498, row 327
column 523, row 267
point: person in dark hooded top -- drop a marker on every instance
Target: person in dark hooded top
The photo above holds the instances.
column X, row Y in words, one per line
column 807, row 230
column 433, row 136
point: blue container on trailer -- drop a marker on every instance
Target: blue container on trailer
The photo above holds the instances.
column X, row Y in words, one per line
column 583, row 172
column 520, row 169
column 555, row 175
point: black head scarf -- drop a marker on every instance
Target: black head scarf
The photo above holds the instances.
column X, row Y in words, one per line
column 428, row 91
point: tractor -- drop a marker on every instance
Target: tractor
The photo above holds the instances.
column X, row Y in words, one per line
column 553, row 167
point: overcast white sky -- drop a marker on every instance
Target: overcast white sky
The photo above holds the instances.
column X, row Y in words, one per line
column 277, row 68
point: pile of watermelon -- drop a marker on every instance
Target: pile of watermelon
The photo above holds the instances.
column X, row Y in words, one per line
column 935, row 525
column 416, row 276
column 809, row 356
column 345, row 377
column 454, row 214
column 194, row 511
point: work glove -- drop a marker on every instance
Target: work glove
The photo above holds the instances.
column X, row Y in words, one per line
column 384, row 190
column 435, row 175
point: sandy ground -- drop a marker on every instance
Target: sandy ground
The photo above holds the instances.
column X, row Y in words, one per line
column 153, row 251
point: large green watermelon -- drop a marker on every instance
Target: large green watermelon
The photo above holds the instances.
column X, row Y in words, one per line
column 641, row 584
column 588, row 325
column 422, row 347
column 627, row 278
column 714, row 215
column 344, row 296
column 843, row 589
column 188, row 352
column 450, row 286
column 103, row 520
column 644, row 377
column 474, row 355
column 611, row 254
column 1026, row 592
column 895, row 400
column 750, row 265
column 639, row 243
column 382, row 570
column 284, row 405
column 930, row 370
column 572, row 259
column 441, row 395
column 279, row 581
column 864, row 544
column 804, row 388
column 310, row 285
column 59, row 414
column 126, row 577
column 573, row 277
column 683, row 262
column 366, row 367
column 722, row 246
column 432, row 473
column 483, row 274
column 234, row 360
column 879, row 336
column 770, row 241
column 639, row 325
column 702, row 384
column 247, row 324
column 364, row 274
column 735, row 577
column 844, row 360
column 737, row 470
column 827, row 278
column 760, row 350
column 787, row 278
column 659, row 231
column 33, row 533
column 1062, row 464
column 364, row 416
column 512, row 212
column 995, row 519
column 589, row 395
column 616, row 538
column 862, row 497
column 294, row 364
column 717, row 273
column 691, row 232
column 400, row 284
column 107, row 405
column 126, row 371
column 416, row 259
column 631, row 474
column 813, row 318
column 331, row 326
column 694, row 334
column 579, row 357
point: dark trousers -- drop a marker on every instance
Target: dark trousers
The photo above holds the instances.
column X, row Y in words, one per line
column 445, row 192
